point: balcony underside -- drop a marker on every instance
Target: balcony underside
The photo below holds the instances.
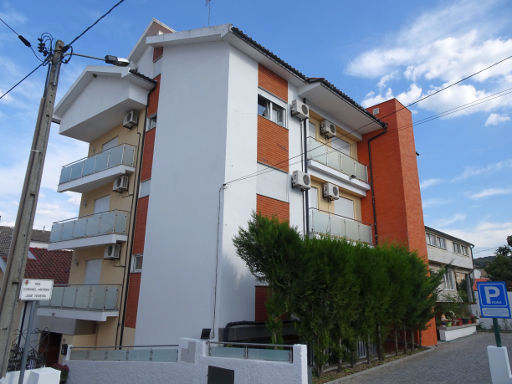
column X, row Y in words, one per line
column 77, row 314
column 88, row 183
column 66, row 326
column 88, row 242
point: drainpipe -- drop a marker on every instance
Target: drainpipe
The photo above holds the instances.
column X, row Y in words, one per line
column 305, row 160
column 124, row 292
column 371, row 183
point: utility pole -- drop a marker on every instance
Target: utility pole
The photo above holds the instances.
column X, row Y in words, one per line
column 20, row 242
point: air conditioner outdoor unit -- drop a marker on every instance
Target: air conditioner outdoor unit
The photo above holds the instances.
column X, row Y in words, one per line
column 331, row 191
column 121, row 184
column 299, row 109
column 327, row 128
column 131, row 119
column 112, row 251
column 301, row 180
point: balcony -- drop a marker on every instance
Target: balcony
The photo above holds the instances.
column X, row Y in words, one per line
column 339, row 162
column 92, row 172
column 99, row 229
column 328, row 223
column 82, row 302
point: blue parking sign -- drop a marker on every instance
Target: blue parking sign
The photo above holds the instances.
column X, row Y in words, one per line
column 493, row 299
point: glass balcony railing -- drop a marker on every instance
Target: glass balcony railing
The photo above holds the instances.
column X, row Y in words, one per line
column 105, row 223
column 335, row 159
column 84, row 297
column 161, row 353
column 335, row 225
column 123, row 154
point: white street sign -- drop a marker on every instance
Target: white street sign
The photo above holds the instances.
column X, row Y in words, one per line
column 36, row 289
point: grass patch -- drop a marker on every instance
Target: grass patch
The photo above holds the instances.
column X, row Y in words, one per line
column 347, row 371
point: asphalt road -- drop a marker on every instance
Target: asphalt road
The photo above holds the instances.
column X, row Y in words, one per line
column 462, row 361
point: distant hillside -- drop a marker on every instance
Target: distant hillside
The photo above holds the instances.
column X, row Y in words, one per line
column 483, row 261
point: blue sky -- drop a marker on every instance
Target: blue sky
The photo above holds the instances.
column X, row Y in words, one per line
column 373, row 51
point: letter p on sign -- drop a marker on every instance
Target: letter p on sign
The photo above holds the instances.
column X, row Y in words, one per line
column 491, row 293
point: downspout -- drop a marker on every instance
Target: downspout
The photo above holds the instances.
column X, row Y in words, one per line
column 371, row 183
column 136, row 197
column 305, row 160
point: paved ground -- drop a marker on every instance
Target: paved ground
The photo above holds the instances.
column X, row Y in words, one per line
column 460, row 361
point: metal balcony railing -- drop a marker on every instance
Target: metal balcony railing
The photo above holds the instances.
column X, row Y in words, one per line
column 84, row 297
column 335, row 159
column 105, row 223
column 329, row 223
column 123, row 154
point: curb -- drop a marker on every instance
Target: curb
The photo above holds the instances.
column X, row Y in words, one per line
column 343, row 379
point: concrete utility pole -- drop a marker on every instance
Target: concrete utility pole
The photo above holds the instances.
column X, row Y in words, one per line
column 20, row 242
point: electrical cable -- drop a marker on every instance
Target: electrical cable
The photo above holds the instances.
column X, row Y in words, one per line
column 19, row 82
column 22, row 39
column 92, row 25
column 448, row 112
column 253, row 174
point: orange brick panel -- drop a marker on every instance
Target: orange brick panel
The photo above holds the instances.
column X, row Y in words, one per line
column 157, row 53
column 140, row 225
column 147, row 156
column 272, row 83
column 271, row 207
column 261, row 295
column 132, row 301
column 272, row 144
column 153, row 98
column 396, row 186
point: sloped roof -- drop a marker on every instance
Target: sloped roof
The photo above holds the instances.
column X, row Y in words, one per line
column 6, row 236
column 47, row 264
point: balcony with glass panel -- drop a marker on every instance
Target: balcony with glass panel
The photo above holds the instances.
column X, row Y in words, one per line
column 319, row 153
column 99, row 229
column 92, row 172
column 82, row 302
column 326, row 223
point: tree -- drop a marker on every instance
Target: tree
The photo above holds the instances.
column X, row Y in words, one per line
column 500, row 269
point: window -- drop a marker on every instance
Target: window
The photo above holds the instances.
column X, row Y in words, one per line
column 313, row 197
column 344, row 207
column 441, row 242
column 456, row 248
column 311, row 129
column 151, row 123
column 431, row 239
column 110, row 144
column 465, row 250
column 137, row 263
column 448, row 280
column 271, row 111
column 341, row 145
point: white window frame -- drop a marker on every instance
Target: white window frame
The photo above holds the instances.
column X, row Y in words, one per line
column 152, row 122
column 441, row 242
column 274, row 100
column 134, row 262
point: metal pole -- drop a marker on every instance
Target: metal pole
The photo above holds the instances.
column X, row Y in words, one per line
column 497, row 335
column 33, row 310
column 15, row 269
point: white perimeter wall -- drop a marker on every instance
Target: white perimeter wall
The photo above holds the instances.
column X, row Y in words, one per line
column 178, row 276
column 191, row 367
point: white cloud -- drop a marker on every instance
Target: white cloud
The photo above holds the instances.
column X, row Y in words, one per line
column 451, row 220
column 491, row 192
column 427, row 203
column 476, row 171
column 495, row 119
column 436, row 49
column 429, row 183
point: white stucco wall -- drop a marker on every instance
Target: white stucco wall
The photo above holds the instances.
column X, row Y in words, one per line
column 178, row 276
column 192, row 369
column 447, row 256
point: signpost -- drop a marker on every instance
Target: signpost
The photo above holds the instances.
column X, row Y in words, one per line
column 493, row 299
column 32, row 290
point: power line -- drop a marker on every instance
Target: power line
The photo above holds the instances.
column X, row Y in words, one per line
column 422, row 121
column 365, row 125
column 92, row 25
column 19, row 82
column 23, row 40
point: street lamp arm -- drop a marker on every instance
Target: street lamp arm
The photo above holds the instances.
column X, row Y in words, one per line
column 109, row 59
